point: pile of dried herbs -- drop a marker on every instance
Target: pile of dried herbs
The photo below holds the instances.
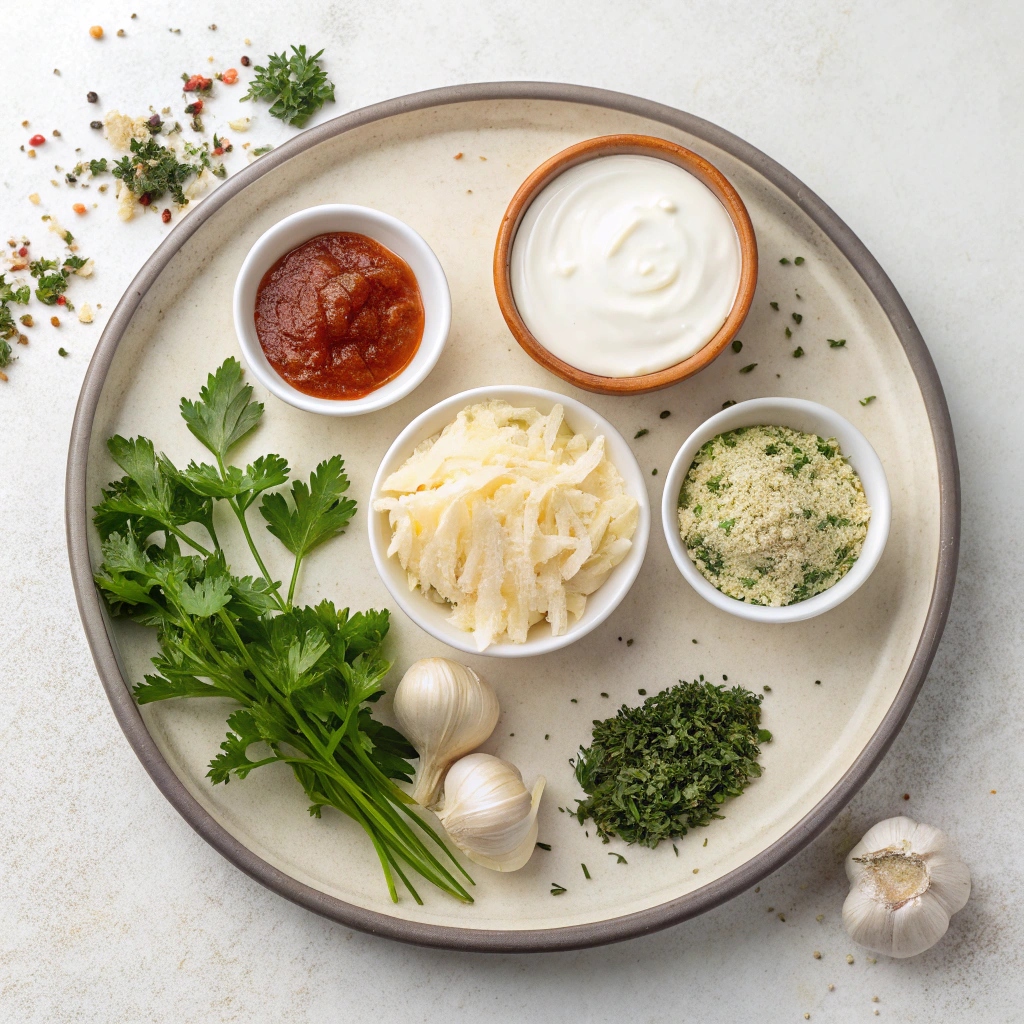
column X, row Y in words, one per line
column 656, row 771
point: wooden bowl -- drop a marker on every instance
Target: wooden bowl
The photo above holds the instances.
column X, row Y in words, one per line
column 640, row 145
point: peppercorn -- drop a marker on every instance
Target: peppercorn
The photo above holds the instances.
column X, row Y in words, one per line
column 96, row 124
column 145, row 199
column 55, row 321
column 37, row 140
column 246, row 62
column 166, row 216
column 56, row 133
column 91, row 97
column 154, row 121
column 23, row 251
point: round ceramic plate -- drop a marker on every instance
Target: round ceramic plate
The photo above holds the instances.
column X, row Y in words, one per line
column 174, row 325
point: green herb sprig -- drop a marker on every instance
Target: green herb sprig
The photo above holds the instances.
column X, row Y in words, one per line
column 296, row 86
column 302, row 677
column 52, row 277
column 152, row 170
column 658, row 770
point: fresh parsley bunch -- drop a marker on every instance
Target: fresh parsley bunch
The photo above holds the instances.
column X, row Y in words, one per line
column 302, row 677
column 296, row 86
column 656, row 771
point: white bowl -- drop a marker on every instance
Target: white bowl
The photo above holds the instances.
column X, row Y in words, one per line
column 811, row 418
column 284, row 236
column 433, row 617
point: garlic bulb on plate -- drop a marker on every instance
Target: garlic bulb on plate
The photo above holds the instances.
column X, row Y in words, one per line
column 906, row 885
column 445, row 710
column 488, row 812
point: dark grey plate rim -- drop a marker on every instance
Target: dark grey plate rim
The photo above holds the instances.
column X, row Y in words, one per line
column 95, row 621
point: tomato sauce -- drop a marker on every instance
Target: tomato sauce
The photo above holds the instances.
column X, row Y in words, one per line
column 339, row 316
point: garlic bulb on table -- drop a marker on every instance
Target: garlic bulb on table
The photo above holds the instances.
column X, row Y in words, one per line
column 445, row 710
column 488, row 812
column 906, row 886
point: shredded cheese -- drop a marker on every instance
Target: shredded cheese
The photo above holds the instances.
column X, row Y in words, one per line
column 510, row 518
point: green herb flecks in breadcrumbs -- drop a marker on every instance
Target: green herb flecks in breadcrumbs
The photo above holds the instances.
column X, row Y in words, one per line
column 772, row 516
column 656, row 771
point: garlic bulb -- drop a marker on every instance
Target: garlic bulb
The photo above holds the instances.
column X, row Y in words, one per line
column 445, row 710
column 906, row 886
column 488, row 812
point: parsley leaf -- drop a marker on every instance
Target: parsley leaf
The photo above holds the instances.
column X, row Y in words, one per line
column 319, row 511
column 225, row 412
column 296, row 86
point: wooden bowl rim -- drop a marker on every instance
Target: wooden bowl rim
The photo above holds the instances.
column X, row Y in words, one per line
column 639, row 145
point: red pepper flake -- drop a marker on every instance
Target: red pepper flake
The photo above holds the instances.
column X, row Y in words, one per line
column 23, row 251
column 230, row 76
column 145, row 199
column 198, row 83
column 62, row 300
column 55, row 321
column 195, row 107
column 37, row 140
column 79, row 208
column 166, row 216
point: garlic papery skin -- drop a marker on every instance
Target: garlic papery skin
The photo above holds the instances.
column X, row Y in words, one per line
column 489, row 814
column 445, row 710
column 906, row 884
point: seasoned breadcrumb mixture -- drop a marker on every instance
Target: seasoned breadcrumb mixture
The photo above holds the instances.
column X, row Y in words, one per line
column 772, row 516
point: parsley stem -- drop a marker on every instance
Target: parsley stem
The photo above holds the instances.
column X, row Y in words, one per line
column 240, row 516
column 295, row 576
column 181, row 535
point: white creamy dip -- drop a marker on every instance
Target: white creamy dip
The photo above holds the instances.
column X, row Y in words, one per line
column 624, row 265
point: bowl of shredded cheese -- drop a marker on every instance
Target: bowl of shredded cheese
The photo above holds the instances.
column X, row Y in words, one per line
column 509, row 521
column 776, row 509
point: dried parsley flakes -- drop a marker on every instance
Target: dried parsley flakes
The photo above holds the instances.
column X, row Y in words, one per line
column 656, row 771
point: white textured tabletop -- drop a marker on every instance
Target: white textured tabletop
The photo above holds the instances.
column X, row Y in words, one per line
column 905, row 119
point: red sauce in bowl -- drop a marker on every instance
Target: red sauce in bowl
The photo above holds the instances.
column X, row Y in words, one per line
column 339, row 316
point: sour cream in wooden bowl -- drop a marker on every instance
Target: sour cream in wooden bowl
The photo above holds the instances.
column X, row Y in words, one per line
column 625, row 264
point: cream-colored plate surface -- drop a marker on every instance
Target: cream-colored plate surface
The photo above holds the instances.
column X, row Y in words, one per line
column 663, row 632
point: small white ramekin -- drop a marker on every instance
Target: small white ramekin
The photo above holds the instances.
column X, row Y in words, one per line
column 284, row 236
column 811, row 418
column 433, row 617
